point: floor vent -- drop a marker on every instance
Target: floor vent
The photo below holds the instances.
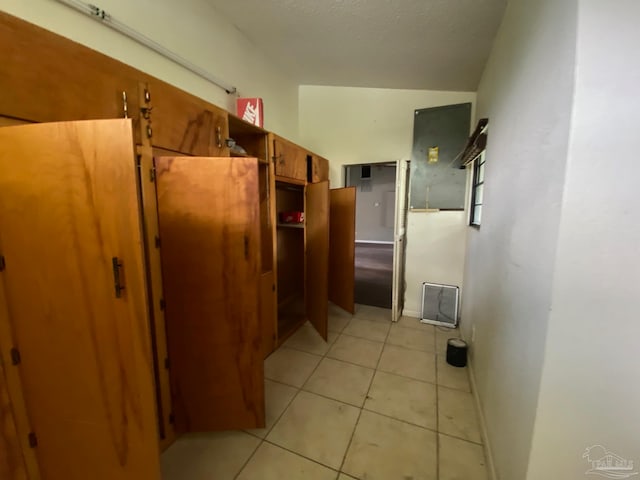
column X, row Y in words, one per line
column 439, row 304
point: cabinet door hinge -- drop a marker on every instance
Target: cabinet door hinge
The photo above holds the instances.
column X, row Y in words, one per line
column 157, row 240
column 3, row 263
column 16, row 359
column 152, row 174
column 163, row 304
column 33, row 440
column 167, row 363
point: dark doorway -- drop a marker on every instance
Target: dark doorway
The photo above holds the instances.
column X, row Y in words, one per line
column 374, row 274
column 375, row 213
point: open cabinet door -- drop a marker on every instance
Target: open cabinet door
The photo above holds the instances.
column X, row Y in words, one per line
column 342, row 247
column 76, row 299
column 210, row 247
column 317, row 255
column 399, row 239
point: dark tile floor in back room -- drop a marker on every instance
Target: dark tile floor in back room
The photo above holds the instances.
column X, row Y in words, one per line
column 378, row 401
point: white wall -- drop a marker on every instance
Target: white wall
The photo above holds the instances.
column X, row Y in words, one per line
column 590, row 389
column 193, row 30
column 526, row 92
column 436, row 243
column 369, row 125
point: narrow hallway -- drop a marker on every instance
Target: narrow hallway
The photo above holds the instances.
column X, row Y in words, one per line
column 374, row 274
column 378, row 401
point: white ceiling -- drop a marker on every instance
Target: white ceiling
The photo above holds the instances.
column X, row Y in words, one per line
column 418, row 44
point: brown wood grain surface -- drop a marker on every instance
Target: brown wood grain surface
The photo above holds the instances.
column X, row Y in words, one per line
column 68, row 205
column 8, row 121
column 267, row 221
column 319, row 169
column 342, row 247
column 290, row 159
column 316, row 255
column 290, row 244
column 268, row 313
column 157, row 321
column 17, row 416
column 46, row 77
column 184, row 123
column 210, row 234
column 12, row 465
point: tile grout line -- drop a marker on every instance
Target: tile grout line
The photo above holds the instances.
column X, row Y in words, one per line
column 441, row 355
column 361, row 408
column 264, row 439
column 299, row 390
column 249, row 458
column 421, row 426
column 301, row 456
column 344, row 458
column 375, row 370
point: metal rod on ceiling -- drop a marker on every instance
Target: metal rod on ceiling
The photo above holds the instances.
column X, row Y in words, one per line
column 103, row 17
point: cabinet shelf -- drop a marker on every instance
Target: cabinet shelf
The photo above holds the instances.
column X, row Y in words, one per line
column 291, row 225
column 291, row 181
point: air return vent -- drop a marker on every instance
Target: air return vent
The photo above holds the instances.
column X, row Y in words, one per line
column 439, row 304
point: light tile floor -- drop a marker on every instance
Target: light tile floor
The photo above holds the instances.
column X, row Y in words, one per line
column 377, row 401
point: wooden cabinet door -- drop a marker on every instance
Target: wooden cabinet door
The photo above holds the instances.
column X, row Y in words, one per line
column 290, row 159
column 70, row 235
column 342, row 247
column 317, row 255
column 12, row 464
column 210, row 247
column 47, row 78
column 319, row 169
column 186, row 124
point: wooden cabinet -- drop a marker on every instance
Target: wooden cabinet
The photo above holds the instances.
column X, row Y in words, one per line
column 252, row 141
column 290, row 160
column 183, row 123
column 302, row 257
column 317, row 255
column 342, row 244
column 290, row 255
column 210, row 247
column 75, row 298
column 121, row 345
column 319, row 169
column 77, row 83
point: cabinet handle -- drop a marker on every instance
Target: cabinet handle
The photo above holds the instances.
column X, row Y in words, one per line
column 117, row 281
column 219, row 136
column 125, row 106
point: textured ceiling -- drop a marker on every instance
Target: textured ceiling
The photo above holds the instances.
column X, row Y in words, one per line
column 421, row 44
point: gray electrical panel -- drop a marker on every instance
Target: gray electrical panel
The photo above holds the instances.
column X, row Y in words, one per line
column 435, row 182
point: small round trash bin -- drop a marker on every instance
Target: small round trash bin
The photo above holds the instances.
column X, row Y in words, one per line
column 457, row 352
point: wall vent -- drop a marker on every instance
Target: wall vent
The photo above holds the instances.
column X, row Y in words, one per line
column 439, row 304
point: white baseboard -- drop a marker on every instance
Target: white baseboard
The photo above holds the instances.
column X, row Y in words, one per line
column 410, row 313
column 491, row 467
column 375, row 242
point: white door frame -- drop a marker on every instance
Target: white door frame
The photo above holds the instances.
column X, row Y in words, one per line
column 399, row 239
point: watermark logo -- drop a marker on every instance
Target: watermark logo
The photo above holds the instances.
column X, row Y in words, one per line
column 608, row 464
